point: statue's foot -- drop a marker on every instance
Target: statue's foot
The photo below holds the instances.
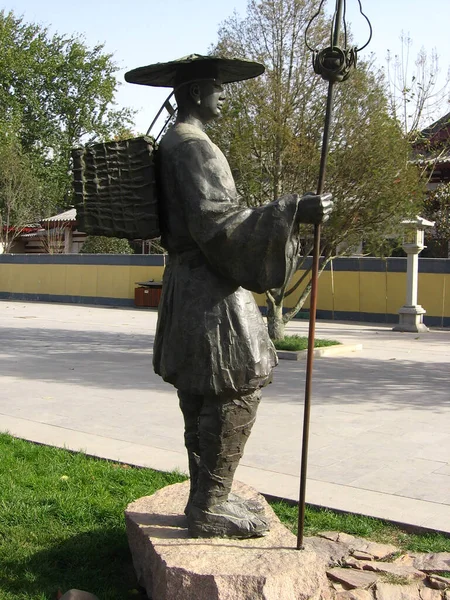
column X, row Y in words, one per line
column 253, row 506
column 227, row 519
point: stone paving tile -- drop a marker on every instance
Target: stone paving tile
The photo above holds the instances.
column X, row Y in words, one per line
column 401, row 426
column 438, row 515
column 423, row 437
column 369, row 472
column 394, row 477
column 361, row 465
column 445, row 470
column 432, row 488
column 383, row 480
column 339, row 472
column 345, row 451
column 63, row 438
column 339, row 426
column 370, row 440
column 377, row 504
column 434, row 451
column 329, row 456
column 156, row 458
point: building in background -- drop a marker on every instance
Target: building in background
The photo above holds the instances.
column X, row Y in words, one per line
column 55, row 235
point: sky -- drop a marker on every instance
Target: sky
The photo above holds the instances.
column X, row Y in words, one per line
column 141, row 32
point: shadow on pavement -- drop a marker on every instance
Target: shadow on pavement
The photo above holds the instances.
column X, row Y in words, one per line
column 121, row 360
column 350, row 380
column 99, row 359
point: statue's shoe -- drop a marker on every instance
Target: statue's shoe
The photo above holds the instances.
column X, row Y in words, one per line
column 227, row 519
column 251, row 505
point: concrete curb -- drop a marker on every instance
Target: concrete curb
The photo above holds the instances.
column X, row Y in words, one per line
column 337, row 350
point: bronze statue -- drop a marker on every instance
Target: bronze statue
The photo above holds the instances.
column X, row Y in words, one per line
column 211, row 341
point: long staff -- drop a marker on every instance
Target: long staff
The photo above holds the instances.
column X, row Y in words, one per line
column 334, row 65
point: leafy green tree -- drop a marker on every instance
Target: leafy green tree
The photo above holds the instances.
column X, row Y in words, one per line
column 98, row 244
column 20, row 193
column 59, row 94
column 272, row 128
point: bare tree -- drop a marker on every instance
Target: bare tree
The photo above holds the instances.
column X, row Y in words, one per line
column 416, row 92
column 54, row 237
column 272, row 128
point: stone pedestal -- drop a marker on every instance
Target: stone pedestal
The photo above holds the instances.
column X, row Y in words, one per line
column 170, row 565
column 411, row 319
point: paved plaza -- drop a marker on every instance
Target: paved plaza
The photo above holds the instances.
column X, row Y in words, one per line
column 81, row 377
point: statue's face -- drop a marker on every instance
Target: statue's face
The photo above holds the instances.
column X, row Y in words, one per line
column 211, row 96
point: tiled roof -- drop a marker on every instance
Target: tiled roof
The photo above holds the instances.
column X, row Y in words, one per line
column 68, row 215
column 433, row 159
column 436, row 126
column 33, row 234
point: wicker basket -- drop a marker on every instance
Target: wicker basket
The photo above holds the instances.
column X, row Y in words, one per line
column 115, row 189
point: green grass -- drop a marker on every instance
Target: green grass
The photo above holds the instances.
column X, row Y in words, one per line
column 317, row 520
column 62, row 523
column 297, row 342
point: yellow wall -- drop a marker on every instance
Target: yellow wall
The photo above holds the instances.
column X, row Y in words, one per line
column 434, row 293
column 348, row 291
column 96, row 281
column 374, row 292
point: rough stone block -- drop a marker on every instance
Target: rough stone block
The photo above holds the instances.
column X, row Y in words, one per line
column 355, row 595
column 436, row 562
column 333, row 553
column 78, row 595
column 171, row 565
column 352, row 578
column 360, row 545
column 388, row 591
column 438, row 583
column 362, row 555
column 397, row 569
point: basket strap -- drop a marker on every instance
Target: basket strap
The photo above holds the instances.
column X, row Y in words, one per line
column 169, row 108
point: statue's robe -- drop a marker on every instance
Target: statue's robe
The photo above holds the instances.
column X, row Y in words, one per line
column 211, row 337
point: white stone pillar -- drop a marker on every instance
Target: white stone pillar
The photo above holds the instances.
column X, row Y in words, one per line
column 412, row 277
column 411, row 314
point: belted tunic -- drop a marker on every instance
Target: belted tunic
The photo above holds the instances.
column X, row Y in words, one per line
column 211, row 337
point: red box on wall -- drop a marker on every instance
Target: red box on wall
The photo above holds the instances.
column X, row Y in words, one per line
column 147, row 297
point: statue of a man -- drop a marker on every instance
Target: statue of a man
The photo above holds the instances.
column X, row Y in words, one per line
column 211, row 341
